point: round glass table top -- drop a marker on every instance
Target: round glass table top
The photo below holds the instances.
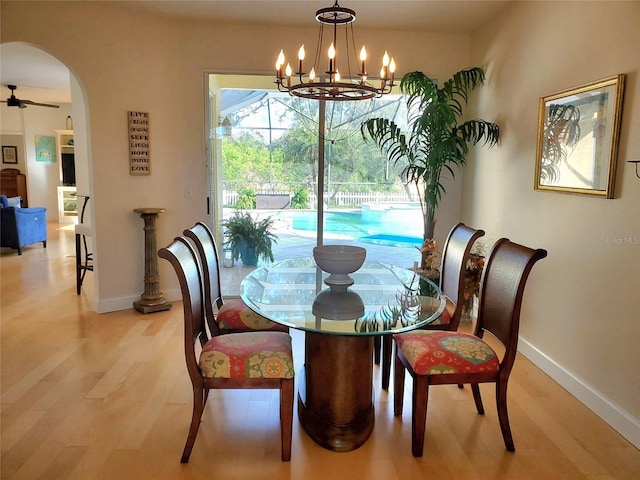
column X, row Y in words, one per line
column 383, row 298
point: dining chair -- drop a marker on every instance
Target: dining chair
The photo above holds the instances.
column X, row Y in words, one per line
column 452, row 280
column 260, row 360
column 229, row 315
column 449, row 357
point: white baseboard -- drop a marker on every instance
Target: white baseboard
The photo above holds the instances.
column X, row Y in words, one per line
column 612, row 414
column 124, row 303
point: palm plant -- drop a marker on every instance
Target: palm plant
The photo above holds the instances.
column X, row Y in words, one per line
column 435, row 141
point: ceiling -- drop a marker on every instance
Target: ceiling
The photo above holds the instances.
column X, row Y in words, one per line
column 42, row 78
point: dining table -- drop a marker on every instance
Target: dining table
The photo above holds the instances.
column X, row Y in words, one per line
column 335, row 386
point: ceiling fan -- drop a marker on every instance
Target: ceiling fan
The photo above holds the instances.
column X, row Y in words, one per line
column 12, row 101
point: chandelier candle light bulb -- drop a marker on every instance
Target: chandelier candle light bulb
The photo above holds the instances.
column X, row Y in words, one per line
column 335, row 87
column 300, row 58
column 332, row 55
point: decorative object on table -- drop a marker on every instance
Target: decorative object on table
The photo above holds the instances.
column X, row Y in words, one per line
column 353, row 82
column 332, row 304
column 260, row 360
column 139, row 155
column 436, row 141
column 9, row 154
column 578, row 134
column 455, row 358
column 250, row 240
column 45, row 148
column 152, row 300
column 339, row 261
column 20, row 227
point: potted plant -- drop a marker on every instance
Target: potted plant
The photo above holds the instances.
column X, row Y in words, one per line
column 435, row 141
column 249, row 239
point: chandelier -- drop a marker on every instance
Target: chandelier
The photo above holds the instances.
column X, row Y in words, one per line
column 333, row 85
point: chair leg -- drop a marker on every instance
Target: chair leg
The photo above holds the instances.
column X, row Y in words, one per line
column 198, row 407
column 78, row 264
column 477, row 398
column 419, row 415
column 503, row 415
column 377, row 345
column 398, row 385
column 286, row 417
column 387, row 349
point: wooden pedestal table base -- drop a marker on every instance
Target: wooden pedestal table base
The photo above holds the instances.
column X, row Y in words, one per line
column 335, row 399
column 152, row 300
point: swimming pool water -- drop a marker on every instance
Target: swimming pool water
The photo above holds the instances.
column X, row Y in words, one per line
column 401, row 233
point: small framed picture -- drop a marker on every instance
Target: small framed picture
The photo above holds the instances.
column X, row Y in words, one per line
column 9, row 154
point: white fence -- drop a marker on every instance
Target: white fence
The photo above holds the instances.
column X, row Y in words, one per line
column 339, row 199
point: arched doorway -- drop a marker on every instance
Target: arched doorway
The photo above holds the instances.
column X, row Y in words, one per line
column 41, row 77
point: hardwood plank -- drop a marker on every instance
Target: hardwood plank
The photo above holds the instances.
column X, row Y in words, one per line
column 88, row 396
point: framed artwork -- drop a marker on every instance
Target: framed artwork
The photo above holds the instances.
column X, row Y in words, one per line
column 9, row 154
column 45, row 149
column 139, row 152
column 578, row 133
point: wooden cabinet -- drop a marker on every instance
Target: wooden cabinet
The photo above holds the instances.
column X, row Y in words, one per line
column 13, row 183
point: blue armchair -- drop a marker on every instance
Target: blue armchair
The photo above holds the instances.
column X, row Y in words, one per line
column 20, row 227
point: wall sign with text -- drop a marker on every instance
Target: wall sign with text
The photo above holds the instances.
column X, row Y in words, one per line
column 139, row 159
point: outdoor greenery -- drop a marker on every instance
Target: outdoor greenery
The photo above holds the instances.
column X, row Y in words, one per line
column 435, row 141
column 286, row 159
column 300, row 199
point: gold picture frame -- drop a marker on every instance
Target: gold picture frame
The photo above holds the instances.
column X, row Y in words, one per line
column 578, row 133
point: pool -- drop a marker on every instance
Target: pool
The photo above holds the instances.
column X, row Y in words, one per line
column 392, row 226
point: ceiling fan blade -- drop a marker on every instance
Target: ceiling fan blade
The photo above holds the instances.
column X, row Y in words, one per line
column 29, row 102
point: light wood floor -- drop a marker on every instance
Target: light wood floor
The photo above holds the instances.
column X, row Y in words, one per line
column 88, row 396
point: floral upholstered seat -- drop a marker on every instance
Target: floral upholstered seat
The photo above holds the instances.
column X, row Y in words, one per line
column 234, row 315
column 247, row 355
column 441, row 352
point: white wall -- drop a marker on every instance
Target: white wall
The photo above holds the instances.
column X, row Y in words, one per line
column 580, row 319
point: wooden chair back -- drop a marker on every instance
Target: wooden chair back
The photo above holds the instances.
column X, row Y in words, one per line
column 501, row 290
column 184, row 261
column 452, row 269
column 205, row 244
